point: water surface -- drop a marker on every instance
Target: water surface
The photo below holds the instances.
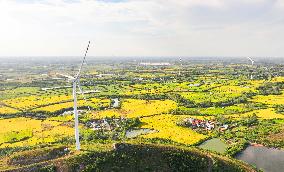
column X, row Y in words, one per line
column 214, row 144
column 266, row 159
column 137, row 132
column 115, row 103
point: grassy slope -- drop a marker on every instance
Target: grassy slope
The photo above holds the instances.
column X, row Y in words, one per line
column 131, row 157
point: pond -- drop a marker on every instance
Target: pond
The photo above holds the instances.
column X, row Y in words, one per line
column 214, row 144
column 266, row 159
column 137, row 132
column 115, row 103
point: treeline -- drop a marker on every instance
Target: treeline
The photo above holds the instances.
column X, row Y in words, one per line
column 43, row 83
column 190, row 104
column 46, row 114
column 181, row 110
column 248, row 130
column 271, row 88
column 163, row 96
column 279, row 109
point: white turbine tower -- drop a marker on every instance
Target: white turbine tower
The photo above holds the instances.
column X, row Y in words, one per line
column 252, row 62
column 76, row 83
column 180, row 66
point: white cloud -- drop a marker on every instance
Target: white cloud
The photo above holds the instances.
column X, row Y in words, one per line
column 142, row 27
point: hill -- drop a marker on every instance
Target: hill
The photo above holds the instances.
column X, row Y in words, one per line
column 134, row 157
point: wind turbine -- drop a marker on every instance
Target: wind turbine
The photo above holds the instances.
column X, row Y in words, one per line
column 252, row 62
column 76, row 83
column 180, row 66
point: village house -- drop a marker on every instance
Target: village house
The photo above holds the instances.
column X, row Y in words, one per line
column 205, row 124
column 104, row 124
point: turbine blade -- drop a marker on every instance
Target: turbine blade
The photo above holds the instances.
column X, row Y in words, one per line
column 84, row 59
column 250, row 59
column 82, row 92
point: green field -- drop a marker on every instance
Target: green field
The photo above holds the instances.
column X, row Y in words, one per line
column 37, row 113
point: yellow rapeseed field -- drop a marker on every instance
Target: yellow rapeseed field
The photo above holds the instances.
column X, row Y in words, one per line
column 93, row 102
column 29, row 102
column 278, row 79
column 17, row 125
column 137, row 108
column 262, row 113
column 270, row 99
column 7, row 110
column 49, row 136
column 166, row 128
column 37, row 131
column 255, row 83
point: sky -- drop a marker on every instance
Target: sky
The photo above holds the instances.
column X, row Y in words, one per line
column 142, row 27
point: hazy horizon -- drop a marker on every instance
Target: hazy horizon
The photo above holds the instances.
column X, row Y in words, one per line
column 139, row 59
column 144, row 57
